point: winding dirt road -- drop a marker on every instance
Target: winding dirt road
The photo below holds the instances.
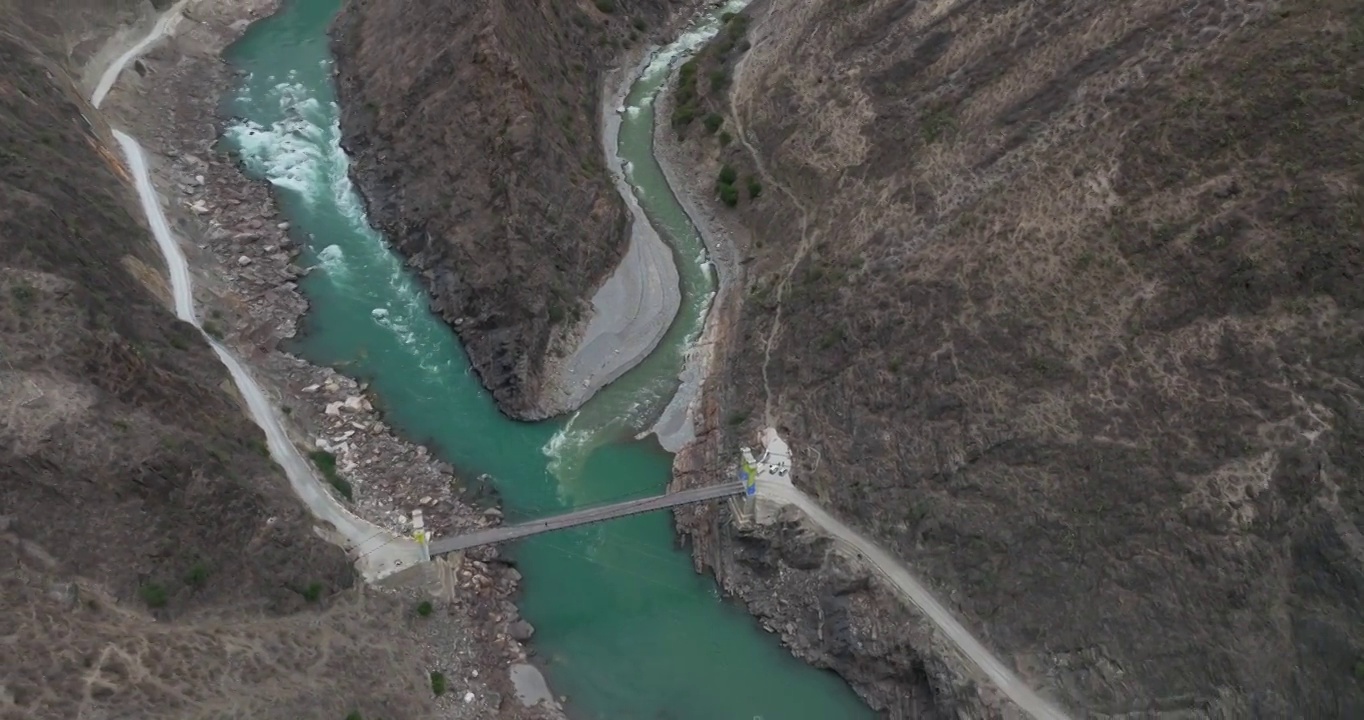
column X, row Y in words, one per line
column 377, row 551
column 777, row 488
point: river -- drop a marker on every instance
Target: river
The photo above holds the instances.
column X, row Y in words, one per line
column 625, row 628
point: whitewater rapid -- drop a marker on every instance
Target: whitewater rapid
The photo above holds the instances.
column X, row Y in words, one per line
column 301, row 153
column 593, row 426
column 377, row 551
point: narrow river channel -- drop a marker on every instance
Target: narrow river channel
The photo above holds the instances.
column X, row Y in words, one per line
column 625, row 629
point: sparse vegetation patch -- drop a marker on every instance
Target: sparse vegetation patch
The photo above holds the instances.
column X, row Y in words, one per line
column 197, row 575
column 313, row 592
column 437, row 683
column 326, row 463
column 154, row 594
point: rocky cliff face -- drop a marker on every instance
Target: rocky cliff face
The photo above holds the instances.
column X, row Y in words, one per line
column 1064, row 308
column 473, row 129
column 153, row 561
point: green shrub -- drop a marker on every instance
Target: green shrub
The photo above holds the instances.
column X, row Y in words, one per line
column 424, row 608
column 437, row 683
column 728, row 175
column 640, row 25
column 937, row 124
column 718, row 78
column 344, row 487
column 154, row 595
column 713, row 122
column 725, row 138
column 23, row 294
column 197, row 575
column 606, row 6
column 354, row 715
column 326, row 463
column 729, row 194
column 683, row 115
column 755, row 188
column 213, row 329
column 313, row 592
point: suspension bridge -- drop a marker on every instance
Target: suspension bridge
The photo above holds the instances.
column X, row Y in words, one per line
column 585, row 516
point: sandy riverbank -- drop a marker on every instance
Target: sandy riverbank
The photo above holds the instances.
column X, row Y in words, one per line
column 636, row 305
column 242, row 256
column 693, row 188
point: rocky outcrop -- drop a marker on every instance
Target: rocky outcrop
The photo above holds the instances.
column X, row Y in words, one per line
column 138, row 496
column 154, row 562
column 1062, row 306
column 473, row 129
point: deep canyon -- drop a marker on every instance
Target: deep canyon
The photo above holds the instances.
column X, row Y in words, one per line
column 1054, row 300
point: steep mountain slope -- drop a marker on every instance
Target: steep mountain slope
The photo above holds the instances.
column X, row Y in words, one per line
column 153, row 561
column 474, row 133
column 1066, row 311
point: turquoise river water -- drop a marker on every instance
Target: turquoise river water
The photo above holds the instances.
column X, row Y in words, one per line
column 625, row 628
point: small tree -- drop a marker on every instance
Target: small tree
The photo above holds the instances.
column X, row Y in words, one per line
column 154, row 595
column 197, row 575
column 718, row 78
column 713, row 122
column 424, row 608
column 326, row 463
column 755, row 188
column 437, row 683
column 729, row 194
column 683, row 115
column 312, row 592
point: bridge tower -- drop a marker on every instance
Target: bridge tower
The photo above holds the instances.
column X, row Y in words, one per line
column 419, row 534
column 748, row 475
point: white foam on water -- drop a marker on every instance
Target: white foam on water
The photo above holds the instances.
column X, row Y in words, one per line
column 332, row 259
column 688, row 42
column 570, row 447
column 302, row 153
column 560, row 461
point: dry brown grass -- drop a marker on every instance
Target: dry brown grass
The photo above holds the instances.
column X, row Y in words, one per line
column 125, row 463
column 73, row 651
column 470, row 146
column 1078, row 301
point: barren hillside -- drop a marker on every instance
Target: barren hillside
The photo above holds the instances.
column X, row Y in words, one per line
column 474, row 132
column 1061, row 300
column 153, row 561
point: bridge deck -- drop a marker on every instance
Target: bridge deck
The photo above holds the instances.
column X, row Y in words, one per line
column 583, row 517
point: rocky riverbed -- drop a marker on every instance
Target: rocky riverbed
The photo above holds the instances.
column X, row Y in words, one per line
column 246, row 262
